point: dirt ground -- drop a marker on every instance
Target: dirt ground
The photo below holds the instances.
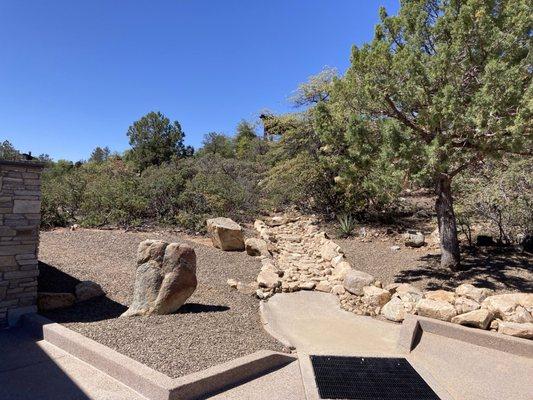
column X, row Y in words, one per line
column 216, row 325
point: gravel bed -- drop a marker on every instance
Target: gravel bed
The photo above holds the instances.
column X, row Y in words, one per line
column 502, row 271
column 216, row 325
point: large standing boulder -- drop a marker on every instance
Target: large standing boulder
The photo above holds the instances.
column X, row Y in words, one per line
column 355, row 281
column 165, row 278
column 225, row 234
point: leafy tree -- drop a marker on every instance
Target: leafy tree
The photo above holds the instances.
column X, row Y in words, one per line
column 457, row 75
column 8, row 152
column 217, row 143
column 244, row 139
column 155, row 140
column 316, row 89
column 99, row 155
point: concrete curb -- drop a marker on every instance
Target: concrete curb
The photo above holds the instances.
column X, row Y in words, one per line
column 146, row 381
column 415, row 326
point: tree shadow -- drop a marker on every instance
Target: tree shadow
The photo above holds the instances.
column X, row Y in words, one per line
column 195, row 308
column 491, row 268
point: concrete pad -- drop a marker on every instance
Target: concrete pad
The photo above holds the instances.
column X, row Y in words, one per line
column 313, row 323
column 472, row 372
column 284, row 383
column 36, row 370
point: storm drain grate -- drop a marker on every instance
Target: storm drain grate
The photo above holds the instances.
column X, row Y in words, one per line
column 369, row 378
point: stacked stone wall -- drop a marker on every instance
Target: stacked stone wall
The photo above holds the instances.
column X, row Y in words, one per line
column 20, row 204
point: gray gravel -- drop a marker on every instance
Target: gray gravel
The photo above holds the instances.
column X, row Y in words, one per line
column 216, row 325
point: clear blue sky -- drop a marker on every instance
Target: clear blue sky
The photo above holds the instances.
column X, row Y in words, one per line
column 76, row 74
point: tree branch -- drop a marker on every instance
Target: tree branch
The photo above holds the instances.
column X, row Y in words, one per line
column 427, row 136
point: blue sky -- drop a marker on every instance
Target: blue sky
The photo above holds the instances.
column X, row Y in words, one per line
column 74, row 75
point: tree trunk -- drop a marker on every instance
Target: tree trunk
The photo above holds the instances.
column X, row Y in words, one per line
column 449, row 243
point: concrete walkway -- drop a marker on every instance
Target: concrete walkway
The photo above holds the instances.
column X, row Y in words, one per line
column 37, row 370
column 313, row 323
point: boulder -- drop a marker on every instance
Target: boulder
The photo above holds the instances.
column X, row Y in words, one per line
column 521, row 330
column 329, row 250
column 355, row 281
column 414, row 239
column 86, row 290
column 47, row 301
column 256, row 247
column 441, row 310
column 464, row 305
column 472, row 292
column 512, row 307
column 165, row 278
column 225, row 234
column 375, row 297
column 399, row 306
column 440, row 295
column 478, row 318
column 268, row 279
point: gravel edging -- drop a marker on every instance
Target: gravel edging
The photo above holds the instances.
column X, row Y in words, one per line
column 216, row 325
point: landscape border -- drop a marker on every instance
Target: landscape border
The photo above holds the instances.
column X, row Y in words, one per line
column 146, row 381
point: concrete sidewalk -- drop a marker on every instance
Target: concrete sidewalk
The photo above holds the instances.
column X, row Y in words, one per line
column 36, row 370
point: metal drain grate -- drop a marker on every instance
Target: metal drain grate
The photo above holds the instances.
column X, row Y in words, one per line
column 363, row 378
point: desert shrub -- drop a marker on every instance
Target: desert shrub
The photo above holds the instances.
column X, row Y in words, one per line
column 502, row 196
column 113, row 196
column 347, row 225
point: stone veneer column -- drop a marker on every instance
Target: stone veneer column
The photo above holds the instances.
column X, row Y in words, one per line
column 20, row 216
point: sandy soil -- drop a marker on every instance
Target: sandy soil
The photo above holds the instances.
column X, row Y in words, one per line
column 216, row 325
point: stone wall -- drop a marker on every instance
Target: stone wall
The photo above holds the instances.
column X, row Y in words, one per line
column 20, row 215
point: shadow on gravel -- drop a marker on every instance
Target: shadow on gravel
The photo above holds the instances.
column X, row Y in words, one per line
column 491, row 268
column 54, row 280
column 196, row 308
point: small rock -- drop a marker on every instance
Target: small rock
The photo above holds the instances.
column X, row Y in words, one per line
column 478, row 318
column 329, row 250
column 338, row 289
column 494, row 324
column 247, row 289
column 307, row 285
column 375, row 297
column 521, row 330
column 268, row 279
column 342, row 268
column 256, row 247
column 74, row 227
column 403, row 288
column 464, row 305
column 47, row 301
column 472, row 292
column 414, row 239
column 512, row 307
column 87, row 290
column 441, row 310
column 337, row 259
column 355, row 281
column 232, row 283
column 323, row 286
column 440, row 295
column 395, row 248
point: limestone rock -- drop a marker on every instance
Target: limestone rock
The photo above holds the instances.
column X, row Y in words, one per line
column 47, row 301
column 247, row 289
column 414, row 239
column 375, row 297
column 165, row 278
column 522, row 330
column 338, row 289
column 225, row 234
column 441, row 310
column 323, row 286
column 470, row 291
column 232, row 283
column 478, row 318
column 307, row 285
column 403, row 288
column 464, row 305
column 355, row 281
column 513, row 307
column 440, row 295
column 329, row 250
column 399, row 306
column 268, row 279
column 86, row 290
column 256, row 247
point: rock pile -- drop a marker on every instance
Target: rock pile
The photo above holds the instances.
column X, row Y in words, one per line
column 301, row 257
column 165, row 278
